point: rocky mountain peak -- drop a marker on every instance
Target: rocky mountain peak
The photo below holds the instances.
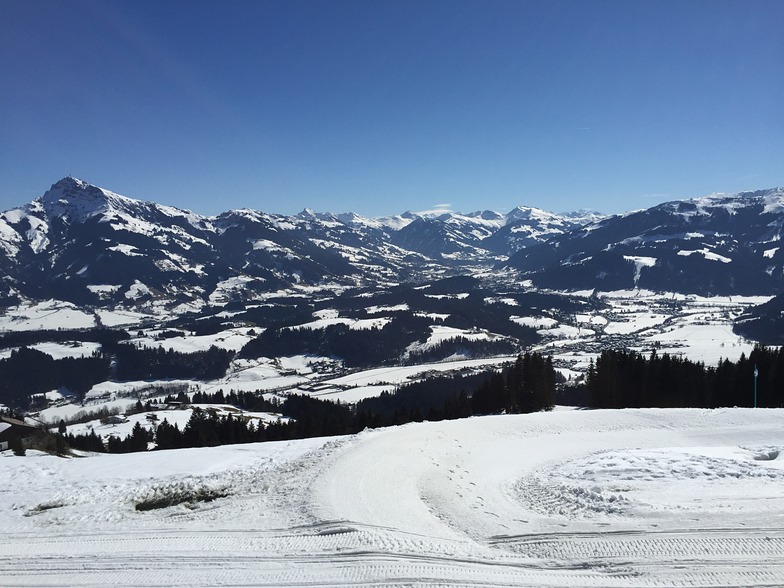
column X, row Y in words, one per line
column 74, row 200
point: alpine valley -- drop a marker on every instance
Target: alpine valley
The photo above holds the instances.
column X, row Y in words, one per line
column 422, row 286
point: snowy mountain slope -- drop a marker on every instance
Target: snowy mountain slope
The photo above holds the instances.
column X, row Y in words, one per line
column 448, row 237
column 78, row 234
column 763, row 323
column 720, row 244
column 483, row 235
column 527, row 226
column 632, row 498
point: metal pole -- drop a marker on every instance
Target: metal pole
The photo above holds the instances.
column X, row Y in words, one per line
column 756, row 373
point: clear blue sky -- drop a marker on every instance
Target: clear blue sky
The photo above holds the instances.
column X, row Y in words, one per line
column 384, row 106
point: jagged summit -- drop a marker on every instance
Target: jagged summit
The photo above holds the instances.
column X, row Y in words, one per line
column 528, row 212
column 75, row 199
column 584, row 216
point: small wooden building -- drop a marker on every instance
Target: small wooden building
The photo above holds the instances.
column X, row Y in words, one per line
column 11, row 428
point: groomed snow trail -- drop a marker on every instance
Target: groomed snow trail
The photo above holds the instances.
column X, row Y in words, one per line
column 633, row 498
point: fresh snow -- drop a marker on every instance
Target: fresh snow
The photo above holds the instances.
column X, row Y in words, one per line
column 701, row 341
column 405, row 374
column 707, row 254
column 632, row 498
column 634, row 322
column 378, row 309
column 566, row 332
column 541, row 322
column 230, row 339
column 695, row 327
column 329, row 317
column 440, row 333
column 179, row 417
column 137, row 290
column 49, row 314
column 61, row 350
column 128, row 250
column 639, row 263
column 119, row 318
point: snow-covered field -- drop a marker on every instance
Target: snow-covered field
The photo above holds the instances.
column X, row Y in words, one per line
column 695, row 327
column 636, row 498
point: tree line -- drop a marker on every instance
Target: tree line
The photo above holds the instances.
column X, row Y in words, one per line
column 28, row 372
column 464, row 347
column 102, row 336
column 627, row 379
column 526, row 386
column 157, row 363
column 357, row 347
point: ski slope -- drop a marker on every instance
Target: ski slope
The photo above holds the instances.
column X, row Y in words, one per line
column 631, row 498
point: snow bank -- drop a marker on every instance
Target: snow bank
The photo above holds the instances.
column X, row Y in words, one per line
column 631, row 498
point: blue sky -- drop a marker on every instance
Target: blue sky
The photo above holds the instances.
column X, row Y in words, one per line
column 384, row 106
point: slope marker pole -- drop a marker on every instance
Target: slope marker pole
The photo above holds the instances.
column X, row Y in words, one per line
column 756, row 373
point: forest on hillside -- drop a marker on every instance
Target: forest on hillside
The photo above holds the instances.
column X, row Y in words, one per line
column 526, row 386
column 27, row 373
column 627, row 379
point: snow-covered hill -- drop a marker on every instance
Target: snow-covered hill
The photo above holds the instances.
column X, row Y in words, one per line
column 632, row 498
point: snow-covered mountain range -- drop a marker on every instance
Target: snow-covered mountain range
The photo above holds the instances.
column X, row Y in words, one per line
column 88, row 245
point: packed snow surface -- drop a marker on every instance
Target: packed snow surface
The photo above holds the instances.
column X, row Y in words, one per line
column 633, row 498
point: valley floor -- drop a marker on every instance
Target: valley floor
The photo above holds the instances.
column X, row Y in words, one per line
column 633, row 498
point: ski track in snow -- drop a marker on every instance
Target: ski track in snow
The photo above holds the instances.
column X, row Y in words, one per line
column 633, row 498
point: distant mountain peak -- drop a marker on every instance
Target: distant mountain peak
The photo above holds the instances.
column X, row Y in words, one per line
column 488, row 215
column 74, row 200
column 584, row 216
column 69, row 188
column 525, row 212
